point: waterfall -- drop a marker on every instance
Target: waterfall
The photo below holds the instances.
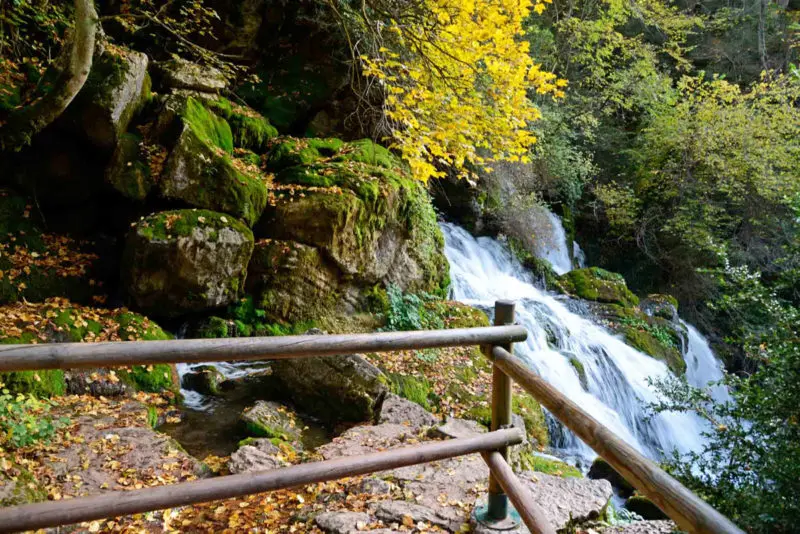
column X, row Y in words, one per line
column 702, row 367
column 554, row 247
column 562, row 346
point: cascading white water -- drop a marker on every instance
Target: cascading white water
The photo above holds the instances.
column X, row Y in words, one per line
column 553, row 248
column 615, row 387
column 702, row 367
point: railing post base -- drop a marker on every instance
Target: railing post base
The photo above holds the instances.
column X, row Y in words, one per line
column 483, row 523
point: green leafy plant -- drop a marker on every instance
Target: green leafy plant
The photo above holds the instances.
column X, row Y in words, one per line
column 407, row 311
column 25, row 420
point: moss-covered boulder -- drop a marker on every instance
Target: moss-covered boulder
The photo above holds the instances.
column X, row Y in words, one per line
column 201, row 172
column 17, row 484
column 61, row 321
column 250, row 129
column 663, row 306
column 35, row 265
column 293, row 282
column 598, row 285
column 205, row 379
column 117, row 88
column 357, row 205
column 186, row 261
column 271, row 420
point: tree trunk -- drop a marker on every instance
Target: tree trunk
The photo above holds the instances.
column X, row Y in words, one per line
column 30, row 120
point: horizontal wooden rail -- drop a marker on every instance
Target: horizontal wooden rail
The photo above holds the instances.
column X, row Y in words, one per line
column 119, row 503
column 689, row 511
column 530, row 512
column 110, row 354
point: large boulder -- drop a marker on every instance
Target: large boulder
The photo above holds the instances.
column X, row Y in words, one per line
column 200, row 170
column 257, row 455
column 271, row 420
column 292, row 281
column 128, row 171
column 333, row 388
column 598, row 285
column 601, row 469
column 182, row 74
column 567, row 500
column 116, row 90
column 357, row 205
column 186, row 261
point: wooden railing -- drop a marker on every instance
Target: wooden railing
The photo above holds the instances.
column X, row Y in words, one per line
column 690, row 512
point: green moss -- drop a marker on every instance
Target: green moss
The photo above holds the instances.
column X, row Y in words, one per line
column 49, row 383
column 160, row 226
column 598, row 285
column 415, row 389
column 531, row 412
column 533, row 462
column 290, row 152
column 580, row 369
column 644, row 341
column 250, row 129
column 129, row 172
column 150, row 378
column 367, row 151
column 208, row 126
column 453, row 314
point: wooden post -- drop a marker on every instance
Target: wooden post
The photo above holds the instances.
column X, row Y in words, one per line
column 501, row 413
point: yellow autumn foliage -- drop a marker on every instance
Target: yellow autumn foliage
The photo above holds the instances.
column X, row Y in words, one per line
column 456, row 81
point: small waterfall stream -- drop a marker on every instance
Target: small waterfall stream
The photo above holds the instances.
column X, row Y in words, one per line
column 615, row 390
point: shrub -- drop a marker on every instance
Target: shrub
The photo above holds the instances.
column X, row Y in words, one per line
column 25, row 420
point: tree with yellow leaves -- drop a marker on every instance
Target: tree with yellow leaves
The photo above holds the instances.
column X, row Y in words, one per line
column 453, row 76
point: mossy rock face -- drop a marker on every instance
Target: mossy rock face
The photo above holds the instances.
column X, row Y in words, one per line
column 117, row 88
column 598, row 285
column 18, row 485
column 530, row 461
column 646, row 508
column 250, row 129
column 456, row 314
column 205, row 379
column 186, row 261
column 204, row 176
column 271, row 420
column 60, row 321
column 644, row 341
column 292, row 282
column 129, row 171
column 375, row 223
column 579, row 369
column 663, row 306
column 35, row 265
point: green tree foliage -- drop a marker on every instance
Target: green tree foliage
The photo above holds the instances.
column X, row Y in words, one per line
column 749, row 468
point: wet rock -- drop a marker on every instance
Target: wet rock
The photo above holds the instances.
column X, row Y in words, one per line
column 664, row 306
column 205, row 379
column 117, row 88
column 457, row 428
column 639, row 504
column 601, row 470
column 598, row 285
column 257, row 455
column 333, row 388
column 399, row 512
column 271, row 420
column 342, row 522
column 182, row 74
column 186, row 261
column 566, row 499
column 397, row 410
